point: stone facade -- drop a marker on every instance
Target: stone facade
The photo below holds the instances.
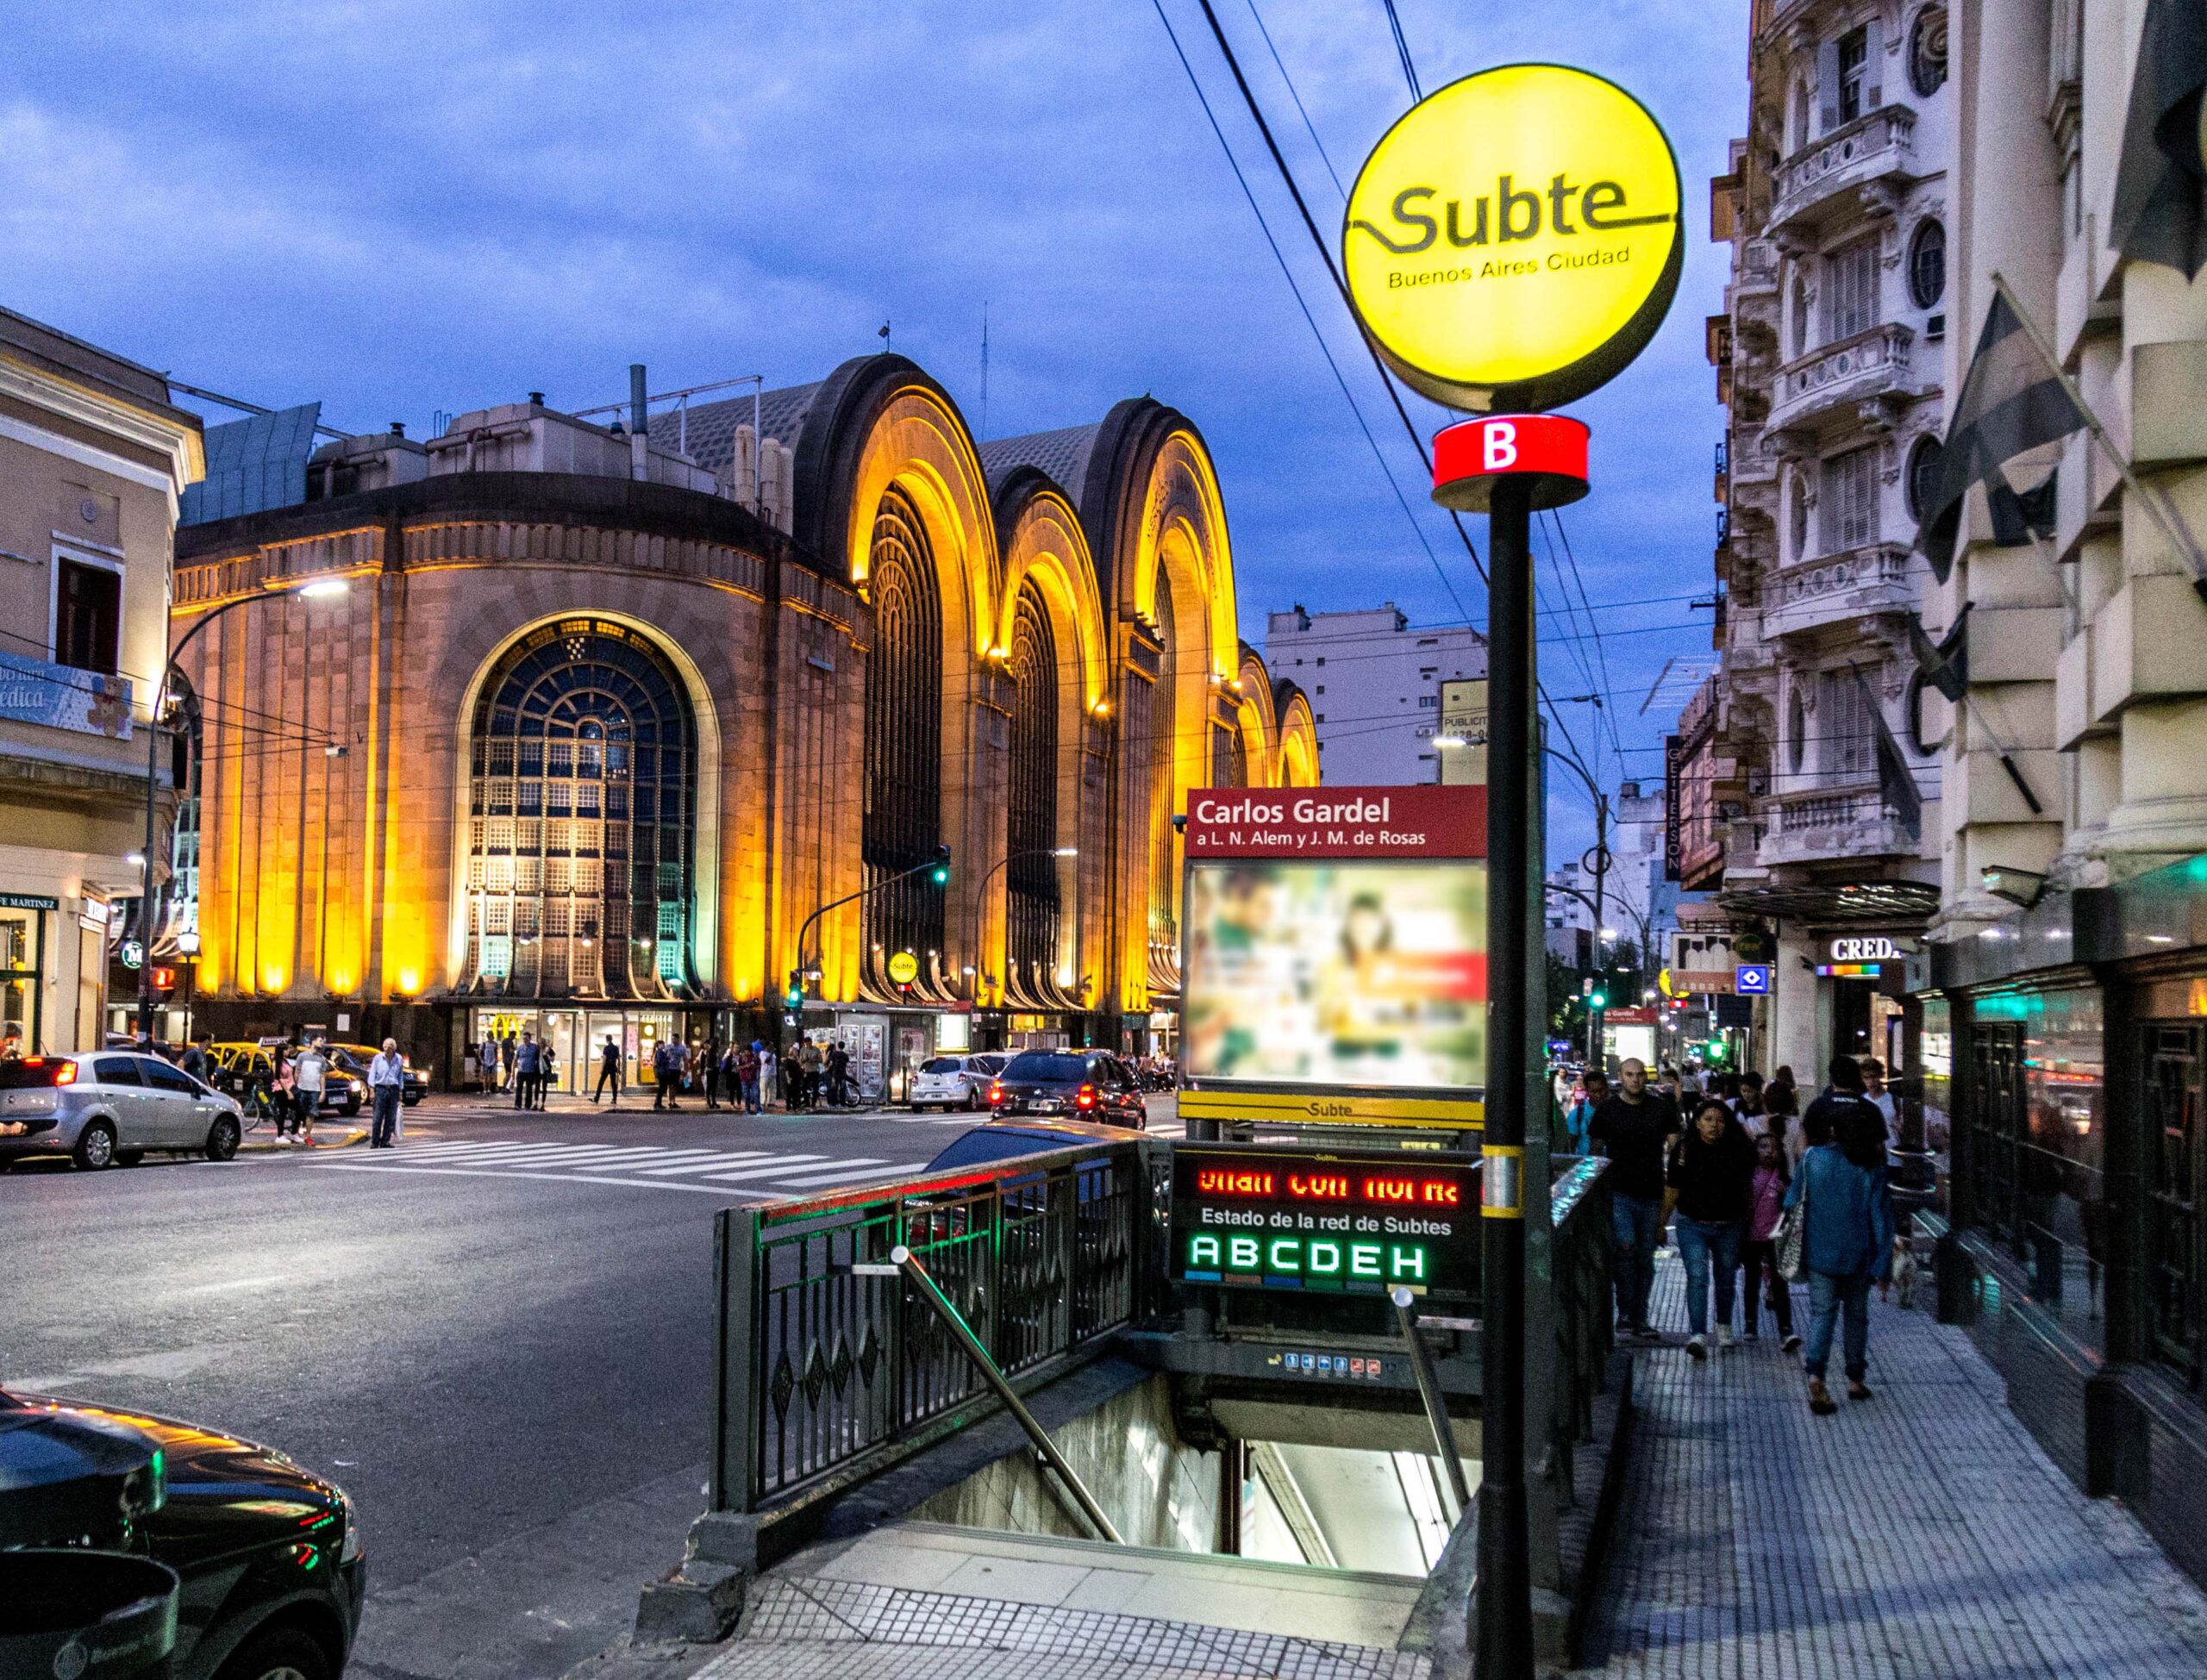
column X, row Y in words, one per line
column 342, row 835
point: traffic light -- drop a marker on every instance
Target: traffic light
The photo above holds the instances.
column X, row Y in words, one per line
column 1715, row 1053
column 1597, row 999
column 940, row 874
column 794, row 997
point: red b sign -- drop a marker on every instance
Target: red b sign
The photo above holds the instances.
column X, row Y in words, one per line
column 1548, row 449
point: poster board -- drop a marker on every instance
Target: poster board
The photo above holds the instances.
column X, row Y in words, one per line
column 1334, row 955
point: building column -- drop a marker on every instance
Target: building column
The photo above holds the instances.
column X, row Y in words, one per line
column 1797, row 1026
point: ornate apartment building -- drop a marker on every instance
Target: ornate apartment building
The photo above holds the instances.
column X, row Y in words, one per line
column 1811, row 792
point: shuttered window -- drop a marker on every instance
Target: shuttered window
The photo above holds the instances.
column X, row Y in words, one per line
column 1849, row 506
column 1850, row 289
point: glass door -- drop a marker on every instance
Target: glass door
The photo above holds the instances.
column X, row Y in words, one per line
column 2173, row 1188
column 22, row 937
column 1997, row 1051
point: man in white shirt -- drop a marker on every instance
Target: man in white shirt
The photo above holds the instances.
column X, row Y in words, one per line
column 1874, row 1092
column 309, row 1074
column 386, row 1089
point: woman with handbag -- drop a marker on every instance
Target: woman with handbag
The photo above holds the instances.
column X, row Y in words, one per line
column 1711, row 1175
column 1759, row 1256
column 1841, row 1216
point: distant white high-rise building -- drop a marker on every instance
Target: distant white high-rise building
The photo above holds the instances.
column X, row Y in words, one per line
column 1374, row 682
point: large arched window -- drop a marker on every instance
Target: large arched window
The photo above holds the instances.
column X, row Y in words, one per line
column 582, row 802
column 1031, row 819
column 904, row 744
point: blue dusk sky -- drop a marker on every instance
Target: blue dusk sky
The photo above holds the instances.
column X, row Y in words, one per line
column 402, row 208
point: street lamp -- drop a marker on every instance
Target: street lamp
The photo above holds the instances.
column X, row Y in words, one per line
column 981, row 896
column 321, row 589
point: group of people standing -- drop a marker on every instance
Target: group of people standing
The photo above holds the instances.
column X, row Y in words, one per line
column 750, row 1076
column 521, row 1063
column 1729, row 1164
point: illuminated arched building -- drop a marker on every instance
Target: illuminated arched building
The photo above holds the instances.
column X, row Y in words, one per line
column 603, row 720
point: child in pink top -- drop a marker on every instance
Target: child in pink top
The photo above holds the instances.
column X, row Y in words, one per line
column 1759, row 1256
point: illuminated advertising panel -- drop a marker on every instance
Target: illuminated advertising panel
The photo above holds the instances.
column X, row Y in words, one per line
column 1334, row 947
column 1325, row 1223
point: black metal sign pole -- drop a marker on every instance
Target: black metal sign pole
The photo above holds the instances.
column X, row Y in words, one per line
column 1504, row 1636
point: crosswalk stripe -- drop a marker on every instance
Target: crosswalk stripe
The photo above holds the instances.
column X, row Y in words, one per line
column 814, row 1181
column 791, row 1163
column 658, row 1157
column 480, row 1147
column 691, row 1169
column 541, row 1154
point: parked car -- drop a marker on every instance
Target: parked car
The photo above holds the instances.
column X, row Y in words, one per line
column 353, row 1060
column 268, row 1554
column 953, row 1082
column 343, row 1091
column 1081, row 1084
column 100, row 1109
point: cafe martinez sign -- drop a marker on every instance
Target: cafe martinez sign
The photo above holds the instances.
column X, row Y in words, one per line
column 1515, row 239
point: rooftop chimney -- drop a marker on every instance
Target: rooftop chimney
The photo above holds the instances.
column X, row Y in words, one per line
column 537, row 398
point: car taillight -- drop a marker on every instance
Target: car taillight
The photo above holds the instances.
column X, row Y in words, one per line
column 1084, row 1097
column 996, row 1090
column 65, row 1074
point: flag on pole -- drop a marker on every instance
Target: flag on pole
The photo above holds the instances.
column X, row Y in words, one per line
column 1945, row 663
column 2011, row 400
column 2161, row 181
column 1896, row 782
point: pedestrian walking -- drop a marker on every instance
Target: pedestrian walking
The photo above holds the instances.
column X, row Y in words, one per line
column 808, row 1074
column 1711, row 1173
column 547, row 1071
column 1632, row 1128
column 1878, row 1095
column 839, row 1077
column 310, row 1078
column 746, row 1076
column 1748, row 1105
column 769, row 1074
column 198, row 1060
column 666, row 1076
column 1846, row 1210
column 1759, row 1256
column 709, row 1064
column 1782, row 1120
column 1841, row 1105
column 1580, row 1114
column 524, row 1070
column 608, row 1070
column 284, row 1092
column 386, row 1086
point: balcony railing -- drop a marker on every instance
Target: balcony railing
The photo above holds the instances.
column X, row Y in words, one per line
column 1814, row 824
column 1875, row 145
column 1837, row 589
column 1871, row 363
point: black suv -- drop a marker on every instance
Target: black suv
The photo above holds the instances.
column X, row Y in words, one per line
column 268, row 1553
column 1078, row 1084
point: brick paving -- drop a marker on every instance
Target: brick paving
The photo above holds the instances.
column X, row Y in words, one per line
column 1920, row 1533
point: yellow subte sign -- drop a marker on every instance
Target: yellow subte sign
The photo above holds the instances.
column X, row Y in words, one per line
column 1515, row 239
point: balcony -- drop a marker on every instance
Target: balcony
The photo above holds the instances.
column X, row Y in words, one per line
column 1820, row 825
column 1869, row 367
column 1837, row 589
column 1857, row 166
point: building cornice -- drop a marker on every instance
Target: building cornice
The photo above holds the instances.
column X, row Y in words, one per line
column 174, row 440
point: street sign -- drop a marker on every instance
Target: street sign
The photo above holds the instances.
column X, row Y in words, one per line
column 1513, row 240
column 1324, row 1222
column 1751, row 980
column 903, row 968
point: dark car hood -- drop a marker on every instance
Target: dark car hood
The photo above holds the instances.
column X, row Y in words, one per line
column 205, row 1463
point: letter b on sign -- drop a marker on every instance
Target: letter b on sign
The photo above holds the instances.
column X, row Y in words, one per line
column 1499, row 441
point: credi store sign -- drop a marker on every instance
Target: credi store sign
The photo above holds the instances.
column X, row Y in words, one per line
column 1515, row 239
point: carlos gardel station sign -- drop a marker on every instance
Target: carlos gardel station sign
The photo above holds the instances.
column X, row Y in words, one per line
column 1515, row 239
column 1334, row 956
column 1349, row 1223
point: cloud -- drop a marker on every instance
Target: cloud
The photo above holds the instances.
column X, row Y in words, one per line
column 406, row 207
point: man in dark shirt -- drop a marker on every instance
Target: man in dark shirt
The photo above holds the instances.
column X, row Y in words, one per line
column 1634, row 1128
column 1843, row 1109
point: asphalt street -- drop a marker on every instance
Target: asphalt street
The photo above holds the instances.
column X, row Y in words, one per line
column 495, row 1337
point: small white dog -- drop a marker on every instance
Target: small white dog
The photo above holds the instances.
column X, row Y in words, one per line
column 1903, row 1272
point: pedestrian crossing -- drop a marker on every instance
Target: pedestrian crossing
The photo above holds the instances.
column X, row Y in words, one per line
column 759, row 1172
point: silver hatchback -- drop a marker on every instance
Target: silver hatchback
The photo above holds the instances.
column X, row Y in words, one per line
column 110, row 1107
column 953, row 1082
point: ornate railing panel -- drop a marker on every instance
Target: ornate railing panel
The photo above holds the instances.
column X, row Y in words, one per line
column 824, row 1371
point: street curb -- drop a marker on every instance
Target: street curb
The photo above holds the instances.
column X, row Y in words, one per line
column 272, row 1148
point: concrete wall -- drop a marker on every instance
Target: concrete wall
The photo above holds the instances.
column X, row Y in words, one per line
column 1157, row 1490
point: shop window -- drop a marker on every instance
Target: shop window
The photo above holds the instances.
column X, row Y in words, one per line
column 87, row 615
column 2173, row 1142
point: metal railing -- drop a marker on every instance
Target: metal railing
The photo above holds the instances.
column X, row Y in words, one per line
column 1580, row 1279
column 825, row 1375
